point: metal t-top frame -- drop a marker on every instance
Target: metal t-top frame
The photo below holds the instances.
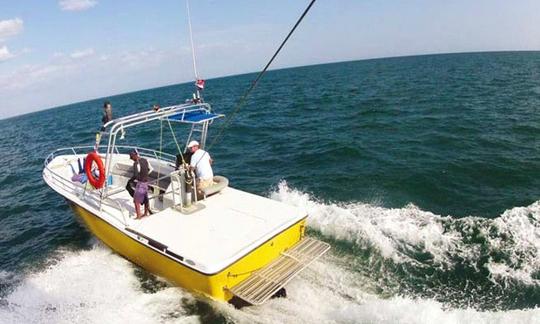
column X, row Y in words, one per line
column 199, row 115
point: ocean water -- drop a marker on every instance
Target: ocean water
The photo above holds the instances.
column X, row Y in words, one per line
column 421, row 172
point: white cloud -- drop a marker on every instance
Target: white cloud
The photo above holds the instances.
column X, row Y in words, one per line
column 31, row 75
column 82, row 53
column 140, row 59
column 5, row 54
column 67, row 67
column 10, row 27
column 58, row 81
column 76, row 5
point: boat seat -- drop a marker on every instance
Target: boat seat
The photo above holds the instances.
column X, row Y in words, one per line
column 121, row 172
column 124, row 170
column 220, row 183
column 170, row 200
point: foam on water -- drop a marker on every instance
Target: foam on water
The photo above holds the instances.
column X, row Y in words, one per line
column 399, row 234
column 330, row 294
column 367, row 225
column 520, row 226
column 98, row 286
column 91, row 286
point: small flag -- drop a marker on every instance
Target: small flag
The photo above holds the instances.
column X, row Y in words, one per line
column 199, row 84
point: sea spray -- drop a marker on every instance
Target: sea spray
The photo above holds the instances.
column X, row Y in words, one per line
column 96, row 285
column 91, row 286
column 333, row 294
column 463, row 262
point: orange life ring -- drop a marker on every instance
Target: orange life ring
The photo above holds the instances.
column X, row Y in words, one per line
column 90, row 159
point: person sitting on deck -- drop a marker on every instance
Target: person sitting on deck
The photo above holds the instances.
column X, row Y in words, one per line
column 201, row 162
column 141, row 170
column 79, row 176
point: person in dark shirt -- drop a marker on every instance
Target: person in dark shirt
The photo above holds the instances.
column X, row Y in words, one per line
column 107, row 117
column 107, row 114
column 183, row 158
column 141, row 170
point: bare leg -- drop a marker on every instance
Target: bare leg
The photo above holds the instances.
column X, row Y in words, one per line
column 146, row 207
column 137, row 210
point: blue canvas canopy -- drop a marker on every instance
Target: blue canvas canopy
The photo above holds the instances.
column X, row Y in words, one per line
column 196, row 116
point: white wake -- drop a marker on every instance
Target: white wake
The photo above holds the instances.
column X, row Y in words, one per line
column 396, row 232
column 98, row 286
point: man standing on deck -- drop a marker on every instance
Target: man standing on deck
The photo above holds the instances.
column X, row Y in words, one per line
column 107, row 117
column 201, row 162
column 107, row 114
column 141, row 170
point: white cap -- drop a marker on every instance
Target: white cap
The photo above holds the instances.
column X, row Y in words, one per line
column 193, row 143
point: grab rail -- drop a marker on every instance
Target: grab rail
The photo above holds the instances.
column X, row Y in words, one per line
column 78, row 150
column 81, row 151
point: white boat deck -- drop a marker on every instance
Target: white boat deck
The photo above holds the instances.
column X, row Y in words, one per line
column 230, row 225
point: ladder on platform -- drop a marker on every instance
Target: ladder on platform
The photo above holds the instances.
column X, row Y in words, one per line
column 265, row 282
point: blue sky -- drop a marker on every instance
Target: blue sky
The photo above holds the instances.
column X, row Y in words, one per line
column 59, row 52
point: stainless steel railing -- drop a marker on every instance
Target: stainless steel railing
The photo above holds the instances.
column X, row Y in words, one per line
column 81, row 151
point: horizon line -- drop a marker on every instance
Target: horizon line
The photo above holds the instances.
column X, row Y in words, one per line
column 275, row 69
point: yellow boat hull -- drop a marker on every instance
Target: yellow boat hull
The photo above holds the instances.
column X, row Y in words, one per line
column 213, row 285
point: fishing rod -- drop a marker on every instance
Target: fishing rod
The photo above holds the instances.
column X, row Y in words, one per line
column 242, row 100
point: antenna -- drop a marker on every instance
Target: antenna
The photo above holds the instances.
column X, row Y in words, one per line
column 199, row 83
column 191, row 39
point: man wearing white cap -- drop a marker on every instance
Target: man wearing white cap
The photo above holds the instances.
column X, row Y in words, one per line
column 201, row 161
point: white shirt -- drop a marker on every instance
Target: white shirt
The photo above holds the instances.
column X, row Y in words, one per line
column 201, row 161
